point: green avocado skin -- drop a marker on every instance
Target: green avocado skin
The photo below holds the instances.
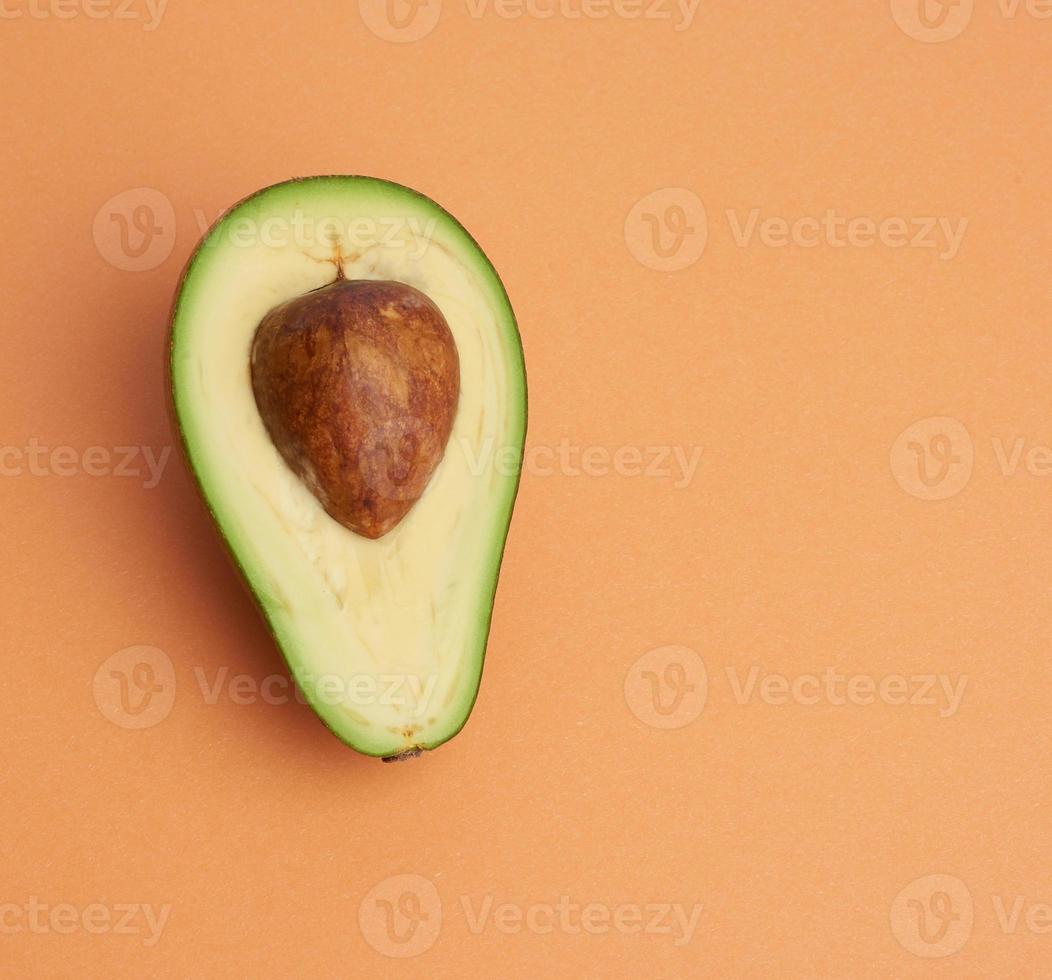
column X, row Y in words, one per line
column 181, row 417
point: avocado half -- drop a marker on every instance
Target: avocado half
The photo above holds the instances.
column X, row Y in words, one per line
column 385, row 638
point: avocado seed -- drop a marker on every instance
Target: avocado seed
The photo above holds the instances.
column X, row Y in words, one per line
column 357, row 384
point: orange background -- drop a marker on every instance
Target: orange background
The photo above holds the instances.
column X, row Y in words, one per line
column 795, row 547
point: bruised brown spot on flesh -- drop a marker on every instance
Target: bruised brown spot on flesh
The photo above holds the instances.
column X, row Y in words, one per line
column 404, row 756
column 357, row 384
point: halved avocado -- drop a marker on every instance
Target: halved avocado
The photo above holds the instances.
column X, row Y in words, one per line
column 384, row 635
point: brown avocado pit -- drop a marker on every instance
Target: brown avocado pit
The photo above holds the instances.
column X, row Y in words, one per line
column 357, row 384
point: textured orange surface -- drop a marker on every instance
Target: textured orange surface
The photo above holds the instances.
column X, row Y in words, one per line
column 768, row 689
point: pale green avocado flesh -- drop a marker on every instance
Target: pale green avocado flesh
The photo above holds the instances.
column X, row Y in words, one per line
column 386, row 637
